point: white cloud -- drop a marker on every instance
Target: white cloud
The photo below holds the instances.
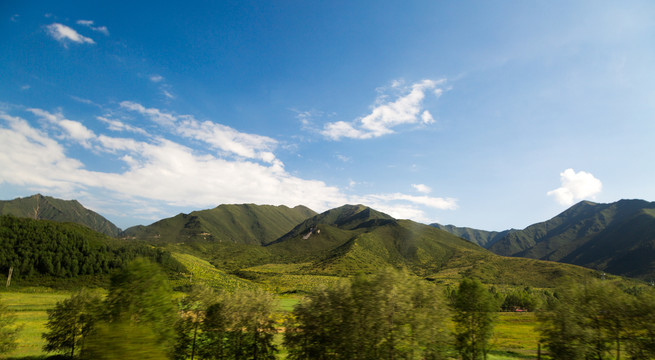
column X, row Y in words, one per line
column 216, row 135
column 167, row 94
column 159, row 172
column 422, row 188
column 433, row 202
column 576, row 187
column 344, row 158
column 89, row 24
column 154, row 114
column 386, row 115
column 64, row 34
column 403, row 206
column 156, row 78
column 73, row 129
column 116, row 125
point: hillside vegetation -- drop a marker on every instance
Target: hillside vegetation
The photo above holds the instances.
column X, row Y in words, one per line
column 240, row 224
column 37, row 249
column 618, row 238
column 356, row 239
column 41, row 207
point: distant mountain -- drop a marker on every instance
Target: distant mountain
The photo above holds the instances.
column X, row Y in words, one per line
column 480, row 237
column 241, row 224
column 41, row 207
column 618, row 238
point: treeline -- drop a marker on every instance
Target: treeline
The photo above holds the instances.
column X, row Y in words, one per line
column 385, row 316
column 139, row 319
column 598, row 320
column 41, row 247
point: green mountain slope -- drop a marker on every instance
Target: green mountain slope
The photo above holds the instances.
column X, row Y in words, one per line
column 48, row 208
column 618, row 238
column 353, row 238
column 242, row 224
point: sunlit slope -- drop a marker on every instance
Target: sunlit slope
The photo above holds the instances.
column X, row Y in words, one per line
column 41, row 207
column 241, row 224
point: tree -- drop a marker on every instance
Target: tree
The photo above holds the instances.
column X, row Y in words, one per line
column 599, row 320
column 250, row 324
column 71, row 321
column 193, row 308
column 475, row 311
column 214, row 333
column 141, row 294
column 386, row 316
column 641, row 329
column 8, row 330
column 237, row 325
column 563, row 328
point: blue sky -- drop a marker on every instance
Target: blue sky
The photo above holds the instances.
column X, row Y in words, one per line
column 491, row 115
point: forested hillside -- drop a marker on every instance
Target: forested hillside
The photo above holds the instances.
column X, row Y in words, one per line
column 64, row 250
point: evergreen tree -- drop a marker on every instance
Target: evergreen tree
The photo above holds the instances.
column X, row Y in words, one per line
column 70, row 322
column 475, row 311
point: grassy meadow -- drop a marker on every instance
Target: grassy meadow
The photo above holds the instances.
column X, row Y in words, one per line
column 30, row 305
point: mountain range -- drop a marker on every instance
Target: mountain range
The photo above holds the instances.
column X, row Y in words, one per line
column 618, row 238
column 262, row 240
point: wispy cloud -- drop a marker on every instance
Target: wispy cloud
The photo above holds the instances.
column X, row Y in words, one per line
column 404, row 206
column 575, row 187
column 218, row 136
column 72, row 129
column 407, row 108
column 66, row 35
column 89, row 24
column 156, row 78
column 422, row 188
column 116, row 125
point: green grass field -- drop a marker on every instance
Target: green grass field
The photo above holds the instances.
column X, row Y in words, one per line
column 30, row 305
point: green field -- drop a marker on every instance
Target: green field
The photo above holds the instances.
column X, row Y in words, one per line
column 30, row 307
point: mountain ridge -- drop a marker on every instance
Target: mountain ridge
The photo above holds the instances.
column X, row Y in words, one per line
column 40, row 207
column 616, row 237
column 237, row 223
